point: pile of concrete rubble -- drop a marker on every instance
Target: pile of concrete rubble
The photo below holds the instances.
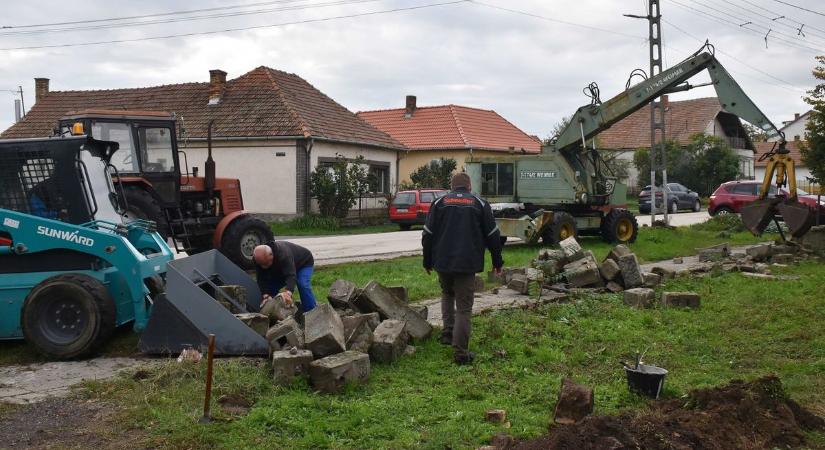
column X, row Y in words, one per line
column 334, row 344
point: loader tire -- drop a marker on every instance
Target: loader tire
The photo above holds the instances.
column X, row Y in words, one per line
column 563, row 227
column 68, row 316
column 241, row 238
column 619, row 226
column 141, row 205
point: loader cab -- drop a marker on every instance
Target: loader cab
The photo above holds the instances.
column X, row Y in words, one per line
column 148, row 150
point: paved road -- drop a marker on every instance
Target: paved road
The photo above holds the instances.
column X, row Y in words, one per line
column 368, row 247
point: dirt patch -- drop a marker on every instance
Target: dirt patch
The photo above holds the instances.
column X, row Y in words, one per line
column 741, row 415
column 64, row 423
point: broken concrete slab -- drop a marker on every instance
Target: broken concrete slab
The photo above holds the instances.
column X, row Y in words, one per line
column 760, row 252
column 284, row 334
column 714, row 253
column 639, row 297
column 571, row 249
column 324, row 331
column 618, row 251
column 533, row 274
column 357, row 333
column 678, row 260
column 421, row 310
column 389, row 341
column 814, row 239
column 630, row 270
column 681, row 299
column 609, row 270
column 277, row 309
column 583, row 272
column 341, row 294
column 288, row 364
column 574, row 404
column 519, row 283
column 400, row 292
column 664, row 272
column 507, row 273
column 782, row 258
column 258, row 322
column 376, row 298
column 332, row 373
column 651, row 279
column 237, row 292
column 495, row 415
column 613, row 287
column 372, row 319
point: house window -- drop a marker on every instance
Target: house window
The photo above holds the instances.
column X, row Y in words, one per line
column 497, row 179
column 379, row 179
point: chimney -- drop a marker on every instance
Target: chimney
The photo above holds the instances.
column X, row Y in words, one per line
column 41, row 88
column 18, row 115
column 217, row 84
column 410, row 106
column 795, row 116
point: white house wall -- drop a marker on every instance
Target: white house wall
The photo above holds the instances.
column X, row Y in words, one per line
column 321, row 149
column 267, row 180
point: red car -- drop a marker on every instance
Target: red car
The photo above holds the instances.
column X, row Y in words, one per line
column 730, row 197
column 411, row 207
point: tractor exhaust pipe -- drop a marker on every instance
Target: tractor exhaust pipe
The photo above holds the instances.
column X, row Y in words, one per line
column 209, row 167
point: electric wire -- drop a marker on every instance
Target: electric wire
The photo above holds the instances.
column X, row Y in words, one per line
column 744, row 22
column 228, row 30
column 777, row 17
column 799, row 7
column 771, row 21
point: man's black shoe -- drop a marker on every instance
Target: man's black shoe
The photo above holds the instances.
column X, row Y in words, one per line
column 446, row 339
column 465, row 359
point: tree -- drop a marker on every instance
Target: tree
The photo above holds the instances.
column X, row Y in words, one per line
column 337, row 186
column 434, row 174
column 755, row 134
column 813, row 149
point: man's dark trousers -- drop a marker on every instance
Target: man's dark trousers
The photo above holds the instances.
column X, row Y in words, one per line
column 457, row 308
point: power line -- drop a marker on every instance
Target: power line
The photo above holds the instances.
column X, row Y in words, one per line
column 144, row 16
column 185, row 19
column 227, row 30
column 777, row 18
column 787, row 17
column 745, row 28
column 549, row 19
column 799, row 7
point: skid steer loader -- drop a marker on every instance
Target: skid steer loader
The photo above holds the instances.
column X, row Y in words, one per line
column 71, row 269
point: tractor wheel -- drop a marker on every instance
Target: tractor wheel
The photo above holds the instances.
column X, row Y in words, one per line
column 142, row 206
column 563, row 227
column 241, row 238
column 619, row 226
column 68, row 316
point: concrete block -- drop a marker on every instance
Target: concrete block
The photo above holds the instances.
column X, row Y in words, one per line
column 508, row 273
column 341, row 294
column 631, row 271
column 714, row 253
column 286, row 333
column 571, row 249
column 678, row 260
column 617, row 252
column 681, row 299
column 520, row 284
column 324, row 331
column 277, row 310
column 814, row 239
column 614, row 287
column 358, row 334
column 422, row 310
column 760, row 252
column 237, row 292
column 288, row 364
column 389, row 341
column 376, row 298
column 332, row 373
column 372, row 319
column 583, row 272
column 549, row 268
column 609, row 270
column 782, row 258
column 639, row 297
column 575, row 403
column 651, row 279
column 495, row 415
column 400, row 292
column 664, row 272
column 258, row 322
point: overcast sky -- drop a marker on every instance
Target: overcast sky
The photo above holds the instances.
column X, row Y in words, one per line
column 530, row 70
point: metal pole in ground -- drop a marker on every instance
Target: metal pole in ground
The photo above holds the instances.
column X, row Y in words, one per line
column 210, row 355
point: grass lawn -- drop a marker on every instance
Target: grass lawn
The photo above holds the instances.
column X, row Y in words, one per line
column 745, row 328
column 285, row 229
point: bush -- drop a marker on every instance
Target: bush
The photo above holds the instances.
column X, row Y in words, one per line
column 435, row 174
column 731, row 223
column 338, row 186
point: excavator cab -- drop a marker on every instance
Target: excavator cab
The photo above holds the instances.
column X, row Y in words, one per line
column 761, row 212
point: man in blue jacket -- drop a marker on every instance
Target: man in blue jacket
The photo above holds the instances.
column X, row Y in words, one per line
column 460, row 226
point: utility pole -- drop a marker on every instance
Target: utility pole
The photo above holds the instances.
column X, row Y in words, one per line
column 658, row 158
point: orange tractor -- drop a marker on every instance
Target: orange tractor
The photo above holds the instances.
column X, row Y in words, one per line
column 197, row 213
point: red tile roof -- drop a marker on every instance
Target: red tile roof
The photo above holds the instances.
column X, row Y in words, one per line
column 451, row 127
column 682, row 120
column 764, row 147
column 262, row 103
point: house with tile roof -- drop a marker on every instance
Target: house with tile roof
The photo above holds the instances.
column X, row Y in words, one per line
column 449, row 131
column 683, row 119
column 802, row 172
column 794, row 129
column 271, row 130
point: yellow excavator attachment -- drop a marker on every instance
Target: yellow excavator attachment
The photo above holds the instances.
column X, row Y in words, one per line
column 758, row 214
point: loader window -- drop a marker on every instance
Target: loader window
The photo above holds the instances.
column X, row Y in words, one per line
column 497, row 179
column 124, row 159
column 156, row 146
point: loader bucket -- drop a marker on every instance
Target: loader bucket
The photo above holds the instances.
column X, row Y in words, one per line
column 797, row 216
column 757, row 215
column 186, row 314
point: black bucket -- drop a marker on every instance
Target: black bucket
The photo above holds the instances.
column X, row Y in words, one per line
column 646, row 380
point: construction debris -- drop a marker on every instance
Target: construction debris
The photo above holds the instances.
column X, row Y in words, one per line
column 324, row 331
column 256, row 321
column 681, row 299
column 289, row 364
column 495, row 415
column 639, row 297
column 342, row 293
column 285, row 334
column 575, row 402
column 277, row 309
column 389, row 341
column 332, row 373
column 376, row 298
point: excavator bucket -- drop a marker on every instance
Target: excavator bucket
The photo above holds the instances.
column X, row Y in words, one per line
column 797, row 216
column 189, row 311
column 757, row 215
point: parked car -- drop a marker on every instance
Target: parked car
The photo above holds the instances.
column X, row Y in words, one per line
column 410, row 208
column 678, row 196
column 730, row 197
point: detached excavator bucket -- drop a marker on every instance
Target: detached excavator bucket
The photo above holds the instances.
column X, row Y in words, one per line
column 797, row 216
column 757, row 215
column 188, row 312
